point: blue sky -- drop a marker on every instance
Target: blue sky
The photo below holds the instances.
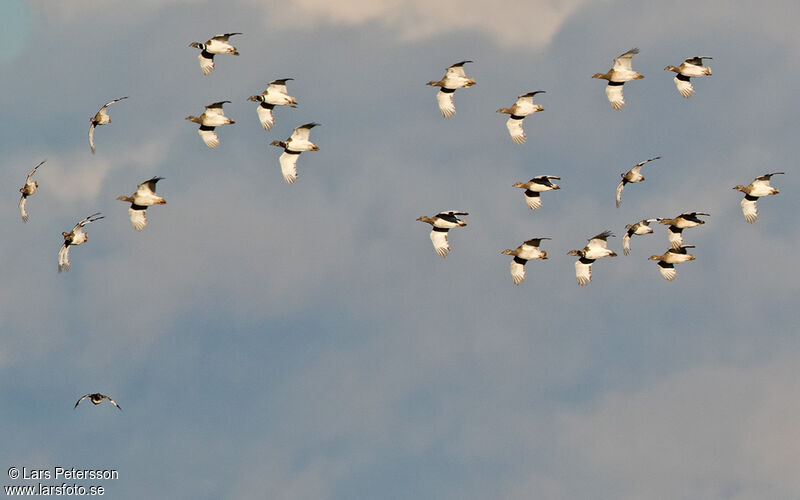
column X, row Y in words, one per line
column 305, row 341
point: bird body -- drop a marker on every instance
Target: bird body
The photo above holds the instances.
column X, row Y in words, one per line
column 454, row 78
column 523, row 107
column 27, row 190
column 621, row 72
column 442, row 223
column 529, row 250
column 100, row 118
column 533, row 187
column 752, row 192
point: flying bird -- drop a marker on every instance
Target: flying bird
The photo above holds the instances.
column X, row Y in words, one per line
column 620, row 73
column 73, row 238
column 752, row 192
column 212, row 117
column 97, row 398
column 144, row 197
column 275, row 95
column 689, row 68
column 679, row 223
column 216, row 45
column 597, row 248
column 535, row 186
column 454, row 78
column 523, row 107
column 529, row 250
column 28, row 189
column 100, row 118
column 632, row 175
column 442, row 223
column 292, row 147
column 667, row 260
column 640, row 228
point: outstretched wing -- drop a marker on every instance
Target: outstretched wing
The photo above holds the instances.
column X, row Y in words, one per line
column 515, row 129
column 517, row 268
column 206, row 60
column 288, row 163
column 138, row 217
column 667, row 270
column 749, row 208
column 265, row 116
column 91, row 136
column 624, row 60
column 440, row 243
column 614, row 94
column 81, row 399
column 684, row 85
column 446, row 104
column 209, row 136
column 63, row 261
column 620, row 187
column 583, row 271
column 22, row 211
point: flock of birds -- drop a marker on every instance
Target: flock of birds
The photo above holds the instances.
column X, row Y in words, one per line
column 276, row 94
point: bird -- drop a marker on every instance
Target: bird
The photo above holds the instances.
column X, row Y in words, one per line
column 679, row 223
column 667, row 260
column 28, row 189
column 144, row 197
column 640, row 228
column 632, row 175
column 620, row 73
column 535, row 186
column 97, row 398
column 752, row 192
column 213, row 116
column 275, row 95
column 529, row 250
column 443, row 222
column 523, row 107
column 596, row 248
column 292, row 147
column 692, row 66
column 215, row 45
column 75, row 237
column 454, row 78
column 100, row 118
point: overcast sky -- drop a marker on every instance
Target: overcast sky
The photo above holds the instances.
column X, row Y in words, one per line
column 305, row 341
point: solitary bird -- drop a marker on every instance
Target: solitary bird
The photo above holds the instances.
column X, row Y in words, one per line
column 275, row 95
column 667, row 260
column 535, row 186
column 689, row 68
column 523, row 107
column 75, row 237
column 292, row 147
column 144, row 197
column 212, row 117
column 443, row 222
column 640, row 228
column 97, row 398
column 100, row 118
column 216, row 45
column 529, row 250
column 620, row 73
column 454, row 78
column 752, row 192
column 632, row 175
column 679, row 223
column 28, row 189
column 596, row 248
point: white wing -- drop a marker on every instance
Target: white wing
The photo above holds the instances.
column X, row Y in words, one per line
column 620, row 186
column 209, row 136
column 583, row 271
column 626, row 243
column 667, row 270
column 288, row 163
column 615, row 97
column 675, row 236
column 517, row 271
column 533, row 199
column 749, row 209
column 266, row 117
column 684, row 86
column 91, row 137
column 624, row 60
column 440, row 243
column 138, row 218
column 446, row 104
column 515, row 129
column 22, row 210
column 302, row 133
column 206, row 63
column 63, row 258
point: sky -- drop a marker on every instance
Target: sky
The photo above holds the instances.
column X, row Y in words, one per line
column 304, row 341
